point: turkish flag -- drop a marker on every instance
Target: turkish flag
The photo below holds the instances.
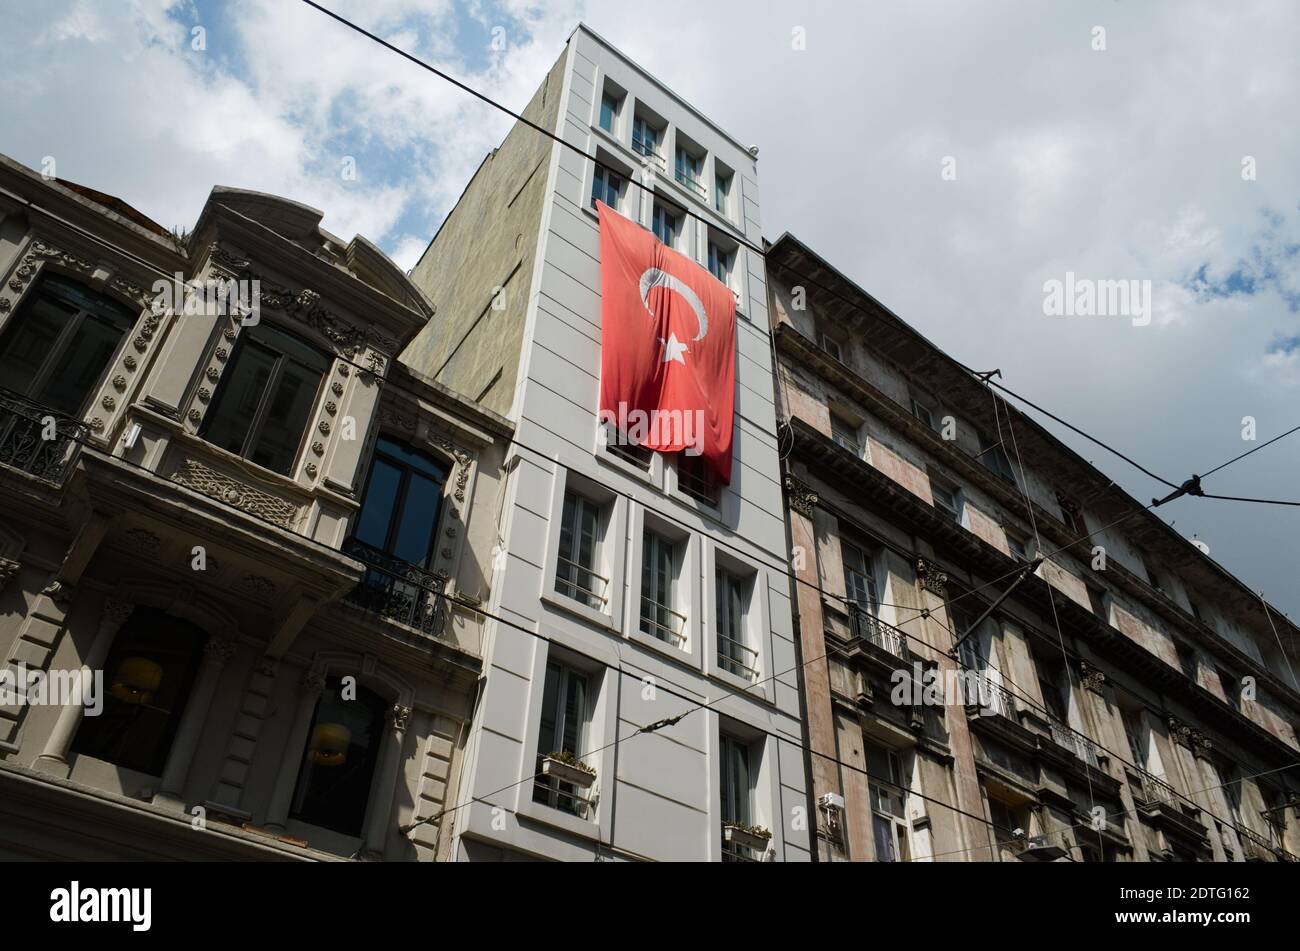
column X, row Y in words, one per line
column 668, row 346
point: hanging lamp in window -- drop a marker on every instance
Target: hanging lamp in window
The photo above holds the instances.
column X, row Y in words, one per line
column 329, row 744
column 136, row 679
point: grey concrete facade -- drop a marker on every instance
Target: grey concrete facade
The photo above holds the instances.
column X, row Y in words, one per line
column 656, row 795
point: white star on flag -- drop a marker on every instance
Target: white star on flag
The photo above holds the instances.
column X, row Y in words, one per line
column 673, row 349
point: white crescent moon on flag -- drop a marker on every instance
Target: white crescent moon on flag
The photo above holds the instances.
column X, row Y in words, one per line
column 654, row 277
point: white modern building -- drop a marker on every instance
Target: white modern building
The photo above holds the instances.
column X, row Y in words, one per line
column 630, row 587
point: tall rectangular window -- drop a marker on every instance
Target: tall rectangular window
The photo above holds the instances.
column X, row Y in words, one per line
column 690, row 171
column 720, row 263
column 995, row 459
column 722, row 191
column 845, row 434
column 888, row 817
column 659, row 618
column 609, row 106
column 646, row 139
column 696, row 478
column 575, row 572
column 265, row 401
column 561, row 731
column 606, row 186
column 737, row 788
column 735, row 655
column 947, row 500
column 666, row 225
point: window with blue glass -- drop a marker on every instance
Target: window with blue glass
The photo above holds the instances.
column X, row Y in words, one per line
column 399, row 513
column 609, row 106
column 666, row 225
column 606, row 186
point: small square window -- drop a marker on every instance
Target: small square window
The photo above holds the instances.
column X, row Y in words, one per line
column 606, row 186
column 696, row 478
column 995, row 459
column 1018, row 545
column 830, row 345
column 666, row 223
column 923, row 412
column 1071, row 514
column 845, row 434
column 947, row 499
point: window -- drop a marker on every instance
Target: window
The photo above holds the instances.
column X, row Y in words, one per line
column 1135, row 731
column 1071, row 514
column 722, row 189
column 737, row 789
column 888, row 817
column 562, row 730
column 1231, row 688
column 610, row 105
column 859, row 579
column 399, row 512
column 1010, row 826
column 1018, row 545
column 56, row 350
column 830, row 345
column 845, row 434
column 1097, row 601
column 696, row 478
column 947, row 500
column 1231, row 777
column 658, row 590
column 922, row 412
column 646, row 139
column 734, row 654
column 995, row 459
column 575, row 572
column 1153, row 577
column 690, row 171
column 720, row 263
column 618, row 444
column 666, row 225
column 607, row 187
column 338, row 766
column 150, row 672
column 1186, row 659
column 266, row 398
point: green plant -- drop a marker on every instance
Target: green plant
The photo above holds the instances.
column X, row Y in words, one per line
column 759, row 831
column 180, row 237
column 568, row 759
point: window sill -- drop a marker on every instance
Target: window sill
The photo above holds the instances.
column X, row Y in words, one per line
column 579, row 610
column 588, row 828
column 680, row 655
column 761, row 688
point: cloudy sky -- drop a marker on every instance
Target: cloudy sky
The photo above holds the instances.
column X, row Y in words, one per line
column 1122, row 162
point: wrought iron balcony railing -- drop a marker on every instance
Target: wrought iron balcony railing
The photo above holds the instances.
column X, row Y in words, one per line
column 37, row 440
column 687, row 178
column 1076, row 743
column 399, row 591
column 866, row 626
column 650, row 150
column 1154, row 790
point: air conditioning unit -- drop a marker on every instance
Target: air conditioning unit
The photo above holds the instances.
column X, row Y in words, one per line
column 831, row 800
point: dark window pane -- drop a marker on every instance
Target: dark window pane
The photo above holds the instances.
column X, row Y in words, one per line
column 148, row 678
column 286, row 418
column 83, row 362
column 28, row 340
column 379, row 505
column 419, row 518
column 339, row 763
column 233, row 414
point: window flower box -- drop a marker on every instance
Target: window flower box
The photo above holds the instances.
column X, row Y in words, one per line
column 755, row 838
column 567, row 768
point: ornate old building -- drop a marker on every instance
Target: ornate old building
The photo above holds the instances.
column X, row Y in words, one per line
column 241, row 546
column 1006, row 661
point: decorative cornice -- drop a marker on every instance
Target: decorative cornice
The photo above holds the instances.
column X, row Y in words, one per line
column 1091, row 677
column 930, row 578
column 801, row 496
column 400, row 717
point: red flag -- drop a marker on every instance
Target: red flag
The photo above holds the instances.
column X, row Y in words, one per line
column 668, row 346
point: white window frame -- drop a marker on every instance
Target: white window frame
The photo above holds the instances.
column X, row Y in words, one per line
column 686, row 588
column 610, row 552
column 756, row 628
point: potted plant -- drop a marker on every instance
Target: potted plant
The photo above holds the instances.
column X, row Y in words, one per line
column 567, row 768
column 750, row 837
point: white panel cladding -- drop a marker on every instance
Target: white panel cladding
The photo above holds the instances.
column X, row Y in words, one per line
column 664, row 790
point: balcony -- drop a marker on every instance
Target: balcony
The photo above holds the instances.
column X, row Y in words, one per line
column 1076, row 743
column 37, row 440
column 990, row 698
column 867, row 627
column 399, row 591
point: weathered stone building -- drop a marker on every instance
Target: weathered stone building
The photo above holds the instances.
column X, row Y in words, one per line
column 1143, row 711
column 250, row 537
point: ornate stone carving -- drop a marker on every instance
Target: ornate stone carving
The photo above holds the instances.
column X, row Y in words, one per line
column 324, row 427
column 108, row 403
column 140, row 343
column 130, row 362
column 1180, row 732
column 255, row 585
column 343, row 370
column 119, row 383
column 204, row 394
column 97, row 425
column 931, row 578
column 318, row 447
column 1091, row 677
column 229, row 333
column 213, row 374
column 194, row 416
column 222, row 353
column 336, row 388
column 142, row 542
column 219, row 649
column 313, row 682
column 311, row 469
column 194, row 475
column 400, row 717
column 802, row 498
column 1201, row 743
column 116, row 611
column 60, row 592
column 332, row 408
column 8, row 568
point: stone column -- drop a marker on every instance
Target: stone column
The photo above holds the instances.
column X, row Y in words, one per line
column 277, row 813
column 384, row 784
column 215, row 654
column 54, row 757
